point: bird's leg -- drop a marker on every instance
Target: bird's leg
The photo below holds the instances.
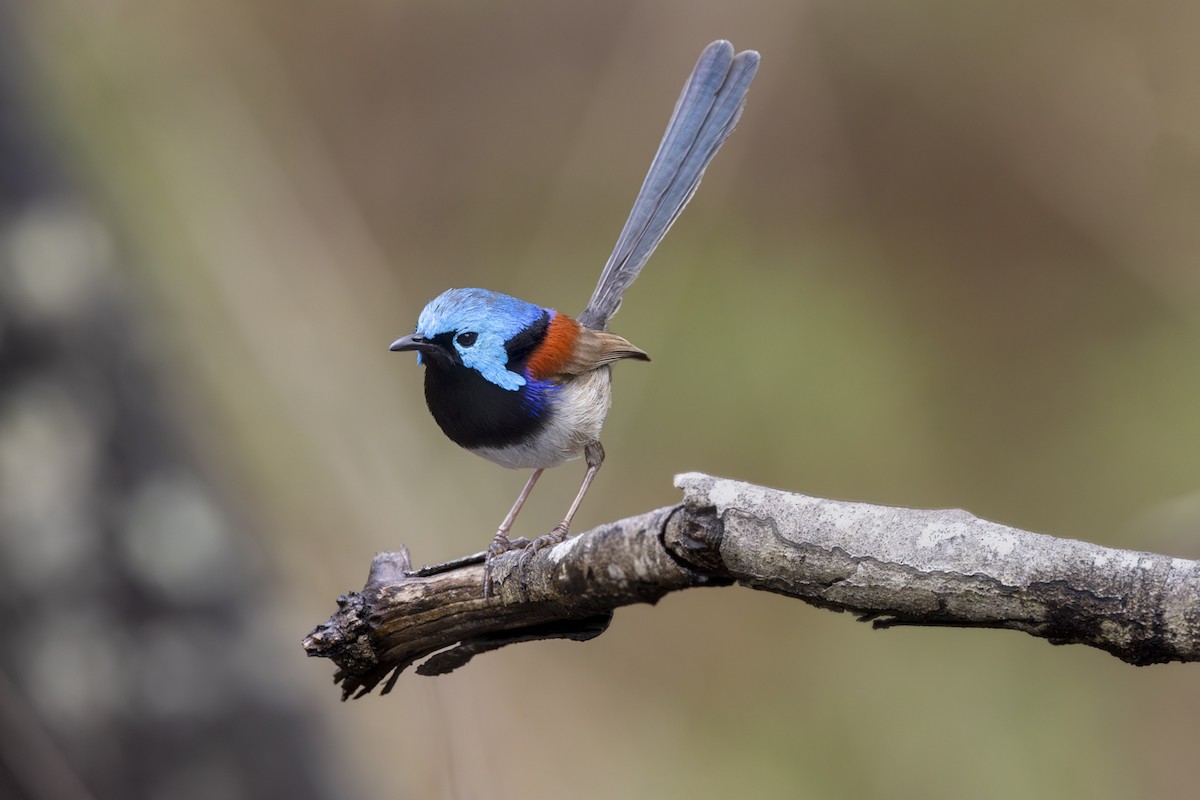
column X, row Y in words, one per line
column 500, row 542
column 593, row 454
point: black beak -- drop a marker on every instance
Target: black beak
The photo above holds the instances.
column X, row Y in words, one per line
column 414, row 342
column 428, row 347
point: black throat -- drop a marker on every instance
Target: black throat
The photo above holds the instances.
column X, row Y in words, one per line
column 474, row 412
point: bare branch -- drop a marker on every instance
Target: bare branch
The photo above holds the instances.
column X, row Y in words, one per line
column 890, row 566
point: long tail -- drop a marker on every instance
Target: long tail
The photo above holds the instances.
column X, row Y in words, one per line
column 705, row 114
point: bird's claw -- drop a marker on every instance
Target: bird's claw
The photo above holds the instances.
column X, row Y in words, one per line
column 556, row 536
column 502, row 544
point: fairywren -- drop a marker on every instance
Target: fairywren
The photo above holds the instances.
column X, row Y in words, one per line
column 529, row 387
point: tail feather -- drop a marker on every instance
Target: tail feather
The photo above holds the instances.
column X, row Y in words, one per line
column 705, row 114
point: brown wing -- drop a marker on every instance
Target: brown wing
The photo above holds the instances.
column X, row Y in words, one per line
column 594, row 349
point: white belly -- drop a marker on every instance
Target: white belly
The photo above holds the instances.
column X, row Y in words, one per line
column 576, row 417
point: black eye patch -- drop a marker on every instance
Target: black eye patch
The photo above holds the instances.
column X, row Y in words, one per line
column 467, row 339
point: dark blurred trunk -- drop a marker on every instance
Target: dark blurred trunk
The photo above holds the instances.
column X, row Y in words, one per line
column 131, row 663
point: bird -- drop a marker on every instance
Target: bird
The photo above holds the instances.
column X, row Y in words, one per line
column 529, row 387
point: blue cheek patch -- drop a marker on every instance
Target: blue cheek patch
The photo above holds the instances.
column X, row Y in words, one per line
column 489, row 358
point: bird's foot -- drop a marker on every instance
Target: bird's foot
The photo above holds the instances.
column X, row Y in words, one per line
column 500, row 544
column 556, row 536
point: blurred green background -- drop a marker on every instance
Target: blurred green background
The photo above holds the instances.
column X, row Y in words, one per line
column 949, row 258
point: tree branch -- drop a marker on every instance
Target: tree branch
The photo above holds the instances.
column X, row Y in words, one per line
column 890, row 566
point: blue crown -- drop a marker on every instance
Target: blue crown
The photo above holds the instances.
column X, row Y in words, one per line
column 494, row 317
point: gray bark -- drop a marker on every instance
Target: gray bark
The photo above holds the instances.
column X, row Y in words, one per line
column 890, row 566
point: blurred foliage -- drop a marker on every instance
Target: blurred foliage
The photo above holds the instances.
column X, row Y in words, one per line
column 948, row 259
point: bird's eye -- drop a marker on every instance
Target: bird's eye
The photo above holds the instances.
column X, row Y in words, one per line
column 467, row 339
